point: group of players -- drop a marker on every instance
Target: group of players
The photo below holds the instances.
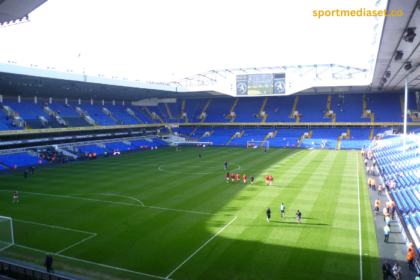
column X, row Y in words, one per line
column 268, row 179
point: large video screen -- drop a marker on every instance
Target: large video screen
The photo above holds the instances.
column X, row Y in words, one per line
column 261, row 84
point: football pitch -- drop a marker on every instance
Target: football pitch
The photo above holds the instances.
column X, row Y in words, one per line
column 164, row 214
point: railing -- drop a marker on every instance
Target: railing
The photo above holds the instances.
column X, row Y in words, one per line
column 16, row 271
column 33, row 131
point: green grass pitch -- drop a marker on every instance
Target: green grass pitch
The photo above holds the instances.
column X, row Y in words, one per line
column 163, row 214
column 260, row 90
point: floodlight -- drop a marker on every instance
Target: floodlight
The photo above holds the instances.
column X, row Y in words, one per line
column 388, row 74
column 398, row 55
column 409, row 37
column 408, row 66
column 384, row 80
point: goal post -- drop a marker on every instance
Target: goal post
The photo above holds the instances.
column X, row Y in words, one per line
column 6, row 232
column 258, row 144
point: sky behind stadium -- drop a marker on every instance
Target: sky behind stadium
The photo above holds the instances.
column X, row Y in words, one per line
column 167, row 40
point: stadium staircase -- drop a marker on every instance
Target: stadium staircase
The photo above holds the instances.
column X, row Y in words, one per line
column 274, row 134
column 211, row 132
column 192, row 132
column 5, row 166
column 202, row 120
column 161, row 113
column 310, row 134
column 183, row 107
column 265, row 117
column 372, row 117
column 294, row 107
column 148, row 115
column 169, row 111
column 233, row 136
column 112, row 117
column 364, row 108
column 263, row 141
column 297, row 119
column 300, row 141
column 234, row 105
column 328, row 103
column 334, row 118
column 371, row 133
column 138, row 118
column 339, row 142
column 263, row 106
column 205, row 107
column 348, row 133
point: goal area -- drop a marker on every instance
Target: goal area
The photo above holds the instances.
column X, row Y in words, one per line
column 6, row 233
column 257, row 144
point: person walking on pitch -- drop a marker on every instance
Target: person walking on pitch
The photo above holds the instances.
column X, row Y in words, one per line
column 15, row 197
column 252, row 179
column 232, row 176
column 227, row 177
column 266, row 180
column 282, row 209
column 244, row 178
column 299, row 215
column 271, row 180
column 225, row 165
column 268, row 214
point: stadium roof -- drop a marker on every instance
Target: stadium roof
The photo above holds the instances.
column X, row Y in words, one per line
column 13, row 10
column 393, row 40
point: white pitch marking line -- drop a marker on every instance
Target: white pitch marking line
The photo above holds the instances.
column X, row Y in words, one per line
column 161, row 169
column 99, row 264
column 122, row 203
column 75, row 230
column 112, row 195
column 6, row 247
column 76, row 244
column 167, row 277
column 360, row 223
column 311, row 153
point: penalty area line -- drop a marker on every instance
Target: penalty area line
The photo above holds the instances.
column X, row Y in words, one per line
column 167, row 277
column 89, row 262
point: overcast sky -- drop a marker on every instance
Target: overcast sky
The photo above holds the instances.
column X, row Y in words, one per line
column 151, row 40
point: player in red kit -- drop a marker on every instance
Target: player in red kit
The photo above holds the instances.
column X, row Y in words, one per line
column 238, row 178
column 271, row 180
column 244, row 178
column 227, row 177
column 15, row 197
column 232, row 177
column 266, row 180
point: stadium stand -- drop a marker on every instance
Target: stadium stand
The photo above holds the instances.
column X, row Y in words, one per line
column 352, row 107
column 141, row 116
column 3, row 168
column 247, row 109
column 219, row 136
column 65, row 111
column 287, row 137
column 27, row 110
column 143, row 143
column 217, row 108
column 120, row 113
column 120, row 146
column 93, row 149
column 96, row 113
column 20, row 160
column 194, row 107
column 7, row 123
column 156, row 110
column 283, row 105
column 385, row 107
column 159, row 142
column 309, row 106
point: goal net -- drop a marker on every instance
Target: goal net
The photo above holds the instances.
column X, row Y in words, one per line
column 258, row 144
column 6, row 232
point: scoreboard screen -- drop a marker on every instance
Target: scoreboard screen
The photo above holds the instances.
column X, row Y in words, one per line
column 261, row 84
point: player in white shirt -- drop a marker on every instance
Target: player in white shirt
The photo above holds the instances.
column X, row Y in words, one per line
column 282, row 209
